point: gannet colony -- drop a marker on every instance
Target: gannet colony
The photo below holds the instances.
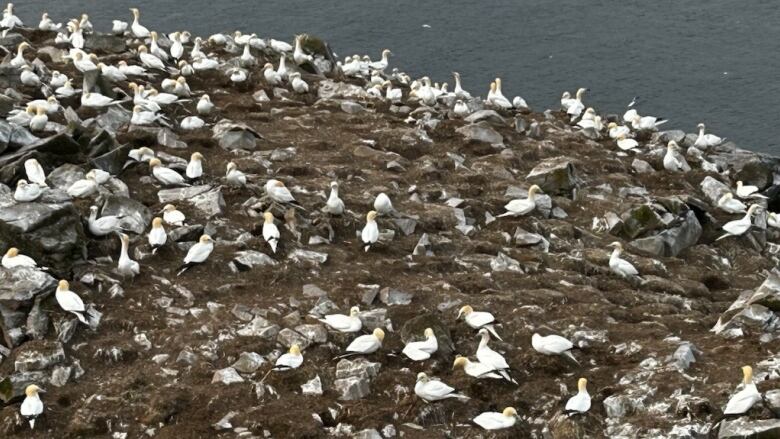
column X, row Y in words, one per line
column 233, row 236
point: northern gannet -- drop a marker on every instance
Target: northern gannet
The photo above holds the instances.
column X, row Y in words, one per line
column 234, row 176
column 706, row 140
column 196, row 51
column 431, row 390
column 553, row 345
column 83, row 64
column 298, row 54
column 743, row 400
column 204, row 106
column 28, row 77
column 674, row 160
column 240, row 39
column 195, row 166
column 519, row 102
column 475, row 368
column 579, row 403
column 149, row 60
column 118, row 27
column 130, row 70
column 618, row 265
column 12, row 259
column 459, row 91
column 247, row 59
column 9, row 19
column 366, row 344
column 58, row 79
column 382, row 64
column 177, row 49
column 47, row 24
column 26, row 192
column 342, row 323
column 291, row 360
column 478, row 319
column 112, row 73
column 277, row 192
column 142, row 154
column 66, row 90
column 204, row 63
column 218, row 39
column 626, row 144
column 70, row 301
column 18, row 61
column 104, row 225
column 383, row 205
column 101, row 176
column 615, row 130
column 238, row 75
column 282, row 69
column 21, row 118
column 740, row 226
column 370, row 233
column 172, row 216
column 50, row 104
column 166, row 176
column 162, row 98
column 85, row 24
column 491, row 358
column 460, row 109
column 496, row 100
column 96, row 100
column 155, row 50
column 646, row 122
column 497, row 421
column 126, row 266
column 157, row 236
column 298, row 84
column 280, row 46
column 35, row 173
column 270, row 75
column 575, row 106
column 76, row 35
column 270, row 231
column 745, row 191
column 520, row 207
column 142, row 117
column 422, row 350
column 84, row 187
column 773, row 220
column 197, row 254
column 32, row 406
column 136, row 28
column 334, row 205
column 731, row 205
column 191, row 123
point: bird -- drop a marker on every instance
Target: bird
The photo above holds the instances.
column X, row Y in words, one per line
column 478, row 319
column 370, row 233
column 743, row 191
column 149, row 60
column 27, row 192
column 13, row 259
column 166, row 176
column 155, row 50
column 706, row 140
column 118, row 27
column 190, row 123
column 112, row 73
column 299, row 85
column 144, row 117
column 366, row 344
column 393, row 95
column 579, row 403
column 615, row 130
column 66, row 90
column 646, row 122
column 520, row 207
column 422, row 350
column 334, row 205
column 491, row 358
column 35, row 172
column 172, row 216
column 234, row 176
column 177, row 49
column 70, row 301
column 740, row 226
column 28, row 77
column 277, row 192
column 431, row 390
column 239, row 75
column 270, row 231
column 204, row 106
column 157, row 236
column 96, row 100
column 383, row 205
column 130, row 70
column 497, row 100
column 84, row 187
column 741, row 402
column 142, row 154
column 32, row 406
column 458, row 90
column 574, row 107
column 625, row 143
column 342, row 323
column 298, row 55
column 495, row 420
column 620, row 266
column 138, row 30
column 460, row 109
column 22, row 118
column 291, row 360
column 476, row 369
column 126, row 266
column 195, row 166
column 104, row 225
column 18, row 61
column 197, row 254
column 82, row 63
column 553, row 345
column 270, row 75
column 673, row 159
column 728, row 203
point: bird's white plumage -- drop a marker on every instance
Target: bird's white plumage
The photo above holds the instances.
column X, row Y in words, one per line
column 199, row 252
column 743, row 400
column 494, row 420
column 343, row 323
column 365, row 344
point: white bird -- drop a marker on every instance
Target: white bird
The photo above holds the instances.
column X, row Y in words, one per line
column 22, row 118
column 18, row 61
column 104, row 225
column 367, row 344
column 172, row 216
column 13, row 259
column 70, row 301
column 270, row 75
column 497, row 100
column 497, row 421
column 475, row 368
column 205, row 106
column 101, row 176
column 334, row 205
column 291, row 360
column 626, row 144
column 142, row 154
column 743, row 191
column 196, row 51
column 157, row 236
column 136, row 28
column 142, row 117
column 370, row 233
column 276, row 190
column 9, row 19
column 458, row 90
column 280, row 46
column 177, row 49
column 270, row 231
column 237, row 75
column 162, row 98
column 126, row 266
column 491, row 358
column 646, row 122
column 773, row 220
column 130, row 70
column 234, row 176
column 113, row 73
column 149, row 60
column 282, row 69
column 742, row 401
column 431, row 390
column 58, row 79
column 203, row 63
column 422, row 350
column 85, row 187
column 674, row 160
column 32, row 406
column 166, row 176
column 35, row 173
column 731, row 205
column 630, row 115
column 618, row 265
column 553, row 345
column 478, row 319
column 382, row 204
column 574, row 107
column 195, row 166
column 299, row 85
column 191, row 123
column 118, row 27
column 66, row 90
column 342, row 323
column 96, row 100
column 382, row 64
column 28, row 77
column 615, row 130
column 83, row 64
column 740, row 226
column 155, row 50
column 26, row 192
column 197, row 254
column 706, row 140
column 47, row 24
column 460, row 109
column 520, row 207
column 579, row 403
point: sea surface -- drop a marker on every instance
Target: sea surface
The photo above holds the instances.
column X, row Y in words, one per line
column 713, row 61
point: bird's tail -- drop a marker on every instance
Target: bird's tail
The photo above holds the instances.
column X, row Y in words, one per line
column 724, row 236
column 348, row 354
column 366, row 248
column 569, row 356
column 183, row 268
column 81, row 317
column 460, row 396
column 505, row 214
column 273, row 243
column 492, row 330
column 32, row 424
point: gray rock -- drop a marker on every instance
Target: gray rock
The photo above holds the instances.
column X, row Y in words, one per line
column 169, row 139
column 413, row 330
column 212, row 203
column 352, row 388
column 98, row 42
column 641, row 166
column 713, row 189
column 369, row 433
column 314, row 332
column 684, row 356
column 555, row 176
column 37, row 320
column 226, row 376
column 60, row 375
column 249, row 259
column 18, row 287
column 502, row 262
column 406, row 225
column 323, row 307
column 523, row 238
column 135, row 217
column 359, row 367
column 51, row 354
column 166, row 196
column 113, row 118
column 639, row 221
column 375, row 318
column 248, row 362
column 313, row 387
column 259, row 327
column 185, row 233
column 772, row 398
column 287, row 337
column 617, row 406
column 665, row 136
column 300, row 255
column 481, row 133
column 686, row 233
column 66, row 329
column 329, row 89
column 489, row 116
column 187, row 357
column 311, row 290
column 768, row 293
column 352, row 107
column 743, row 428
column 261, row 97
column 233, row 135
column 392, row 296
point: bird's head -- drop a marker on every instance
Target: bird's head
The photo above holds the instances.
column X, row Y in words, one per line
column 509, row 412
column 371, row 216
column 32, row 390
column 157, row 222
column 428, row 332
column 63, row 285
column 154, row 163
column 460, row 361
column 616, row 245
column 354, row 311
column 12, row 252
column 465, row 310
column 196, row 156
column 269, row 217
column 205, row 239
column 747, row 374
column 379, row 334
column 295, row 349
column 422, row 377
column 582, row 384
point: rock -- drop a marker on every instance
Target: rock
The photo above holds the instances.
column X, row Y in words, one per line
column 554, row 176
column 432, row 414
column 135, row 217
column 684, row 356
column 314, row 332
column 391, row 296
column 481, row 133
column 674, row 240
column 248, row 362
column 406, row 225
column 359, row 367
column 502, row 262
column 374, row 318
column 489, row 116
column 352, row 388
column 748, row 311
column 20, row 286
column 249, row 259
column 259, row 327
column 186, row 357
column 617, row 406
column 211, row 202
column 37, row 324
column 640, row 220
column 745, row 428
column 413, row 330
column 642, row 167
column 233, row 135
column 713, row 189
column 287, row 337
column 112, row 161
column 755, row 172
column 313, row 387
column 41, row 358
column 261, row 97
column 768, row 294
column 311, row 290
column 60, row 375
column 227, row 375
column 329, row 89
column 312, row 257
column 98, row 42
column 113, row 118
column 185, row 233
column 352, row 107
column 367, row 434
column 665, row 137
column 224, row 423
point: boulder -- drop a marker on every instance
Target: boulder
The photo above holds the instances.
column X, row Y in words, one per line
column 232, row 135
column 746, row 428
column 639, row 221
column 684, row 233
column 713, row 189
column 481, row 132
column 99, row 42
column 555, row 176
column 135, row 217
column 489, row 116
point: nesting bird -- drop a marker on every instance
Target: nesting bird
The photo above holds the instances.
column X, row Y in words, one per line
column 497, row 421
column 270, row 231
column 157, row 236
column 370, row 233
column 70, row 301
column 197, row 254
column 520, row 207
column 342, row 323
column 579, row 403
column 422, row 350
column 32, row 406
column 431, row 390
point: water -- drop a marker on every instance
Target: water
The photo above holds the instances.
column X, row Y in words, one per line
column 714, row 62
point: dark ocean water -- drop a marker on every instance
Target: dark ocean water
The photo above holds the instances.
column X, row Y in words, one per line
column 713, row 61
